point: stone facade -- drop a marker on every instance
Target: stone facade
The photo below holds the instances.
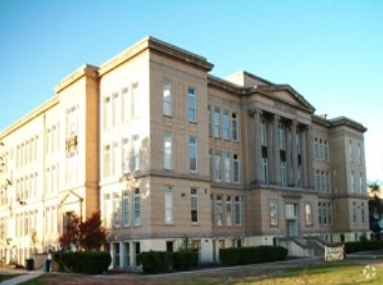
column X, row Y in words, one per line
column 166, row 151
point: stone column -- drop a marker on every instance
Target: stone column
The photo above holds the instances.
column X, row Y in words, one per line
column 290, row 180
column 270, row 152
column 304, row 177
column 256, row 172
column 276, row 158
column 309, row 160
column 294, row 152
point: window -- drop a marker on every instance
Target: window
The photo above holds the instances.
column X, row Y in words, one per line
column 125, row 112
column 321, row 150
column 329, row 213
column 217, row 166
column 116, row 210
column 361, row 184
column 115, row 108
column 354, row 212
column 72, row 121
column 363, row 212
column 227, row 164
column 317, row 180
column 236, row 169
column 326, row 156
column 136, row 152
column 238, row 210
column 193, row 153
column 135, row 107
column 125, row 155
column 107, row 159
column 298, row 140
column 282, row 137
column 263, row 132
column 217, row 122
column 283, row 173
column 308, row 216
column 265, row 172
column 209, row 120
column 125, row 208
column 167, row 99
column 219, row 211
column 191, row 105
column 211, row 163
column 168, row 153
column 137, row 207
column 350, row 148
column 234, row 127
column 226, row 125
column 316, row 151
column 194, row 205
column 169, row 209
column 115, row 158
column 273, row 208
column 228, row 211
column 107, row 112
column 212, row 220
column 320, row 218
column 352, row 181
column 71, row 167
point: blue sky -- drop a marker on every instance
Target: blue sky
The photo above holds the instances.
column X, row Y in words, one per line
column 329, row 51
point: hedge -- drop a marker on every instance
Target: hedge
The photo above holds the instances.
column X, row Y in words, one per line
column 249, row 255
column 161, row 261
column 355, row 246
column 87, row 262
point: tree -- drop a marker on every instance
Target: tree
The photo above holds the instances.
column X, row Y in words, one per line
column 375, row 208
column 88, row 234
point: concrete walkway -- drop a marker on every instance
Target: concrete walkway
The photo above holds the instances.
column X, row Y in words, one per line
column 25, row 276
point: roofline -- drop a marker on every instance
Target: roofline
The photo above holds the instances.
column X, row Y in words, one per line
column 219, row 83
column 151, row 43
column 84, row 70
column 345, row 121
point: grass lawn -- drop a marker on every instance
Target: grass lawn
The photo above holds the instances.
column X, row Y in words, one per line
column 4, row 277
column 334, row 274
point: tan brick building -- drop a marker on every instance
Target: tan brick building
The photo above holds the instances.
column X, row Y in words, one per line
column 165, row 151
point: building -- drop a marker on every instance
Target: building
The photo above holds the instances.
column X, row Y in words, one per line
column 166, row 150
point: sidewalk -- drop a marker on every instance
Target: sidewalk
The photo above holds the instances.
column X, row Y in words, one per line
column 25, row 276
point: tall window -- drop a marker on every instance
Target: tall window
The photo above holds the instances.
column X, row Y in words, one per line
column 352, row 181
column 265, row 172
column 219, row 211
column 125, row 208
column 107, row 160
column 325, row 151
column 192, row 105
column 308, row 215
column 116, row 162
column 320, row 215
column 107, row 112
column 135, row 107
column 136, row 152
column 263, row 132
column 137, row 207
column 168, row 153
column 193, row 153
column 363, row 212
column 316, row 149
column 217, row 166
column 217, row 122
column 273, row 210
column 283, row 173
column 227, row 163
column 116, row 210
column 236, row 169
column 226, row 125
column 169, row 208
column 228, row 212
column 209, row 121
column 362, row 188
column 72, row 121
column 354, row 212
column 167, row 99
column 71, row 166
column 350, row 147
column 234, row 127
column 282, row 137
column 194, row 205
column 238, row 210
column 125, row 155
column 125, row 106
column 115, row 108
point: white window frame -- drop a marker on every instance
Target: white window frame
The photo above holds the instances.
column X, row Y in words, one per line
column 273, row 213
column 169, row 205
column 194, row 206
column 192, row 105
column 227, row 166
column 137, row 207
column 236, row 169
column 308, row 214
column 125, row 208
column 218, row 166
column 234, row 127
column 238, row 210
column 193, row 154
column 167, row 108
column 168, row 150
column 217, row 122
column 226, row 125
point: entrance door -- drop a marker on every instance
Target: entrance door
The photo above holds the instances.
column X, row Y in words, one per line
column 291, row 214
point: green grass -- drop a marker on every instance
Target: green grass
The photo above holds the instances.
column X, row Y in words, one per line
column 4, row 277
column 322, row 274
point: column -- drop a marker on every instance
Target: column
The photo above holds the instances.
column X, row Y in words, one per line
column 289, row 177
column 277, row 158
column 294, row 152
column 309, row 161
column 270, row 152
column 304, row 158
column 256, row 173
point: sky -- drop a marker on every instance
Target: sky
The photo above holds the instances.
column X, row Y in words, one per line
column 330, row 51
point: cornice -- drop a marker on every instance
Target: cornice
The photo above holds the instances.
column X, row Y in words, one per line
column 344, row 121
column 85, row 70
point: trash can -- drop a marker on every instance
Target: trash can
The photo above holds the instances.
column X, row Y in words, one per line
column 29, row 264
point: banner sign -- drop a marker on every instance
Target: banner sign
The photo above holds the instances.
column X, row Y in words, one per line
column 333, row 253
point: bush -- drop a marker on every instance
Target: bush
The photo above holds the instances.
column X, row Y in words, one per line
column 87, row 262
column 249, row 255
column 156, row 261
column 183, row 260
column 356, row 246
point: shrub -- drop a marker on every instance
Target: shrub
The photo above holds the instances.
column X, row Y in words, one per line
column 249, row 255
column 87, row 262
column 183, row 260
column 356, row 246
column 156, row 261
